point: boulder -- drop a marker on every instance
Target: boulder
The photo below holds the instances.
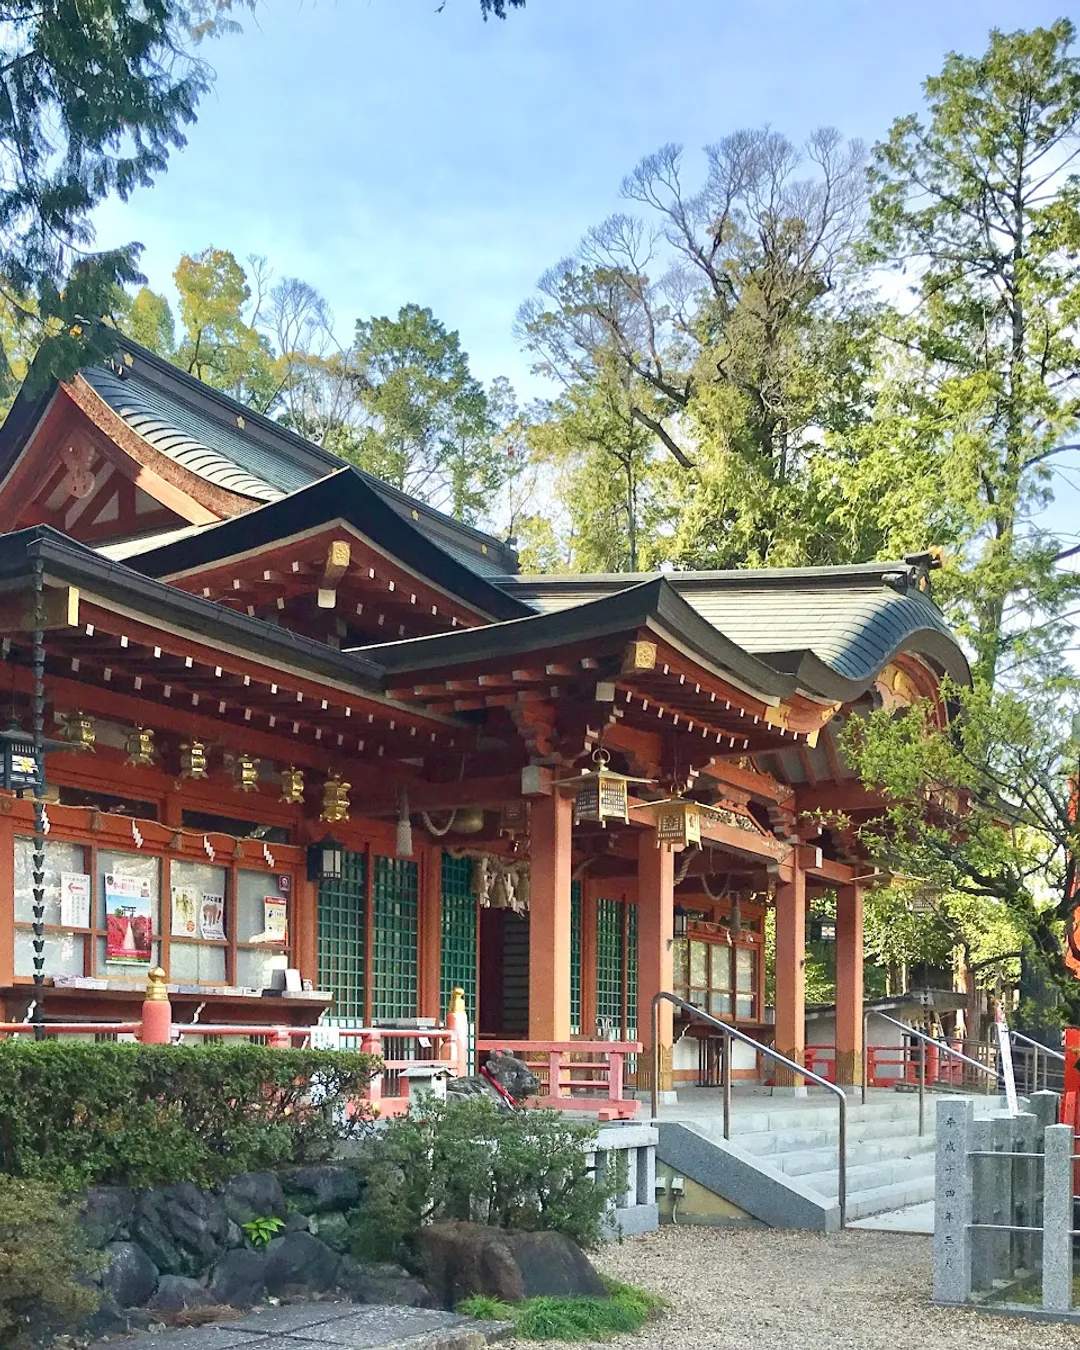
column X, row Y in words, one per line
column 130, row 1276
column 183, row 1229
column 459, row 1259
column 321, row 1189
column 376, row 1282
column 106, row 1214
column 297, row 1223
column 239, row 1278
column 299, row 1263
column 333, row 1229
column 177, row 1292
column 254, row 1195
column 107, row 1319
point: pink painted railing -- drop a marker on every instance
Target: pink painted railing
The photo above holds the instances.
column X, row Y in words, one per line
column 576, row 1075
column 821, row 1059
column 385, row 1090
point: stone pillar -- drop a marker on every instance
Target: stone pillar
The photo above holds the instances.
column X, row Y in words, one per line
column 952, row 1201
column 551, row 833
column 791, row 973
column 656, row 918
column 849, row 985
column 1057, row 1262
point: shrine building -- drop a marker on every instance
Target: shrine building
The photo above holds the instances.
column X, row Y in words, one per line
column 297, row 721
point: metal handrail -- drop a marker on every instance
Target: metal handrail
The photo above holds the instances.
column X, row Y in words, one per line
column 733, row 1034
column 924, row 1040
column 1038, row 1047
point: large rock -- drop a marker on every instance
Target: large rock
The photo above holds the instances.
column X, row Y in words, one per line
column 333, row 1229
column 376, row 1282
column 130, row 1276
column 183, row 1229
column 299, row 1263
column 239, row 1278
column 254, row 1195
column 321, row 1189
column 460, row 1259
column 106, row 1214
column 177, row 1292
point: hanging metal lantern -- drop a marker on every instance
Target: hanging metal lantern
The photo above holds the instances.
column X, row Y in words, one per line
column 514, row 817
column 77, row 729
column 246, row 773
column 292, row 785
column 193, row 760
column 601, row 794
column 18, row 759
column 677, row 822
column 335, row 799
column 140, row 746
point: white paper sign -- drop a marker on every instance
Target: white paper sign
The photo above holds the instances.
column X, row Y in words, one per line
column 74, row 900
column 212, row 917
column 1005, row 1050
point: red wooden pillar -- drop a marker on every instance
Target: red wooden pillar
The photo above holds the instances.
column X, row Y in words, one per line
column 656, row 918
column 791, row 971
column 551, row 834
column 849, row 984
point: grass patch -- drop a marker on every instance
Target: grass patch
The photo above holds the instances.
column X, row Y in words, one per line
column 626, row 1308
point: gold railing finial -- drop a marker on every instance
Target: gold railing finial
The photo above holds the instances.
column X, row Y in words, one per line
column 156, row 988
column 457, row 1001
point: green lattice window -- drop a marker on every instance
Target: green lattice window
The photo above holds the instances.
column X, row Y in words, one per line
column 458, row 946
column 394, row 990
column 575, row 958
column 342, row 914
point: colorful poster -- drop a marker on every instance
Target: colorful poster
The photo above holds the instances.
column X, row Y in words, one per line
column 74, row 900
column 212, row 917
column 275, row 919
column 129, row 924
column 185, row 912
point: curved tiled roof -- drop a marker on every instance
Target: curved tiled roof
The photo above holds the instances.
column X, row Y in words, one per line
column 854, row 620
column 205, row 448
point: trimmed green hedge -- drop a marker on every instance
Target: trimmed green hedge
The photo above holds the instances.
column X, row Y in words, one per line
column 80, row 1115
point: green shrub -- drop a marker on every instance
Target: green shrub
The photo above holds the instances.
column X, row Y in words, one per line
column 148, row 1115
column 627, row 1308
column 467, row 1160
column 42, row 1256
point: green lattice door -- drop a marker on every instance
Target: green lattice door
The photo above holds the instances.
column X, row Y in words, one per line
column 616, row 969
column 342, row 941
column 457, row 949
column 395, row 977
column 575, row 958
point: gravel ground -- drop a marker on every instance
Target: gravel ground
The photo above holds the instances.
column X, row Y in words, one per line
column 732, row 1289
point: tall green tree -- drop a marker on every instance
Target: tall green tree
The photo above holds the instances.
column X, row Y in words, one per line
column 94, row 96
column 736, row 314
column 431, row 429
column 978, row 202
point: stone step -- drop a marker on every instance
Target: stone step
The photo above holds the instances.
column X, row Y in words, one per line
column 871, row 1176
column 803, row 1161
column 899, row 1108
column 897, row 1195
column 779, row 1142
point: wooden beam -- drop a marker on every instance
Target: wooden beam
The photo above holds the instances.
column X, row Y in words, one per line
column 60, row 606
column 531, row 781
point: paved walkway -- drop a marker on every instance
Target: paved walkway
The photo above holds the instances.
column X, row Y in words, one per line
column 734, row 1289
column 913, row 1219
column 331, row 1326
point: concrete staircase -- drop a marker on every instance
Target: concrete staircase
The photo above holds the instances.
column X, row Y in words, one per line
column 780, row 1164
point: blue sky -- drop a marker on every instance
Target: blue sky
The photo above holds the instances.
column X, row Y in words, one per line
column 388, row 153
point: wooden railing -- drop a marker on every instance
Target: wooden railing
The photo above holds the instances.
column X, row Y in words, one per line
column 576, row 1075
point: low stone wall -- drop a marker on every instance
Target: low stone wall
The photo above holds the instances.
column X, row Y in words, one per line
column 172, row 1249
column 631, row 1148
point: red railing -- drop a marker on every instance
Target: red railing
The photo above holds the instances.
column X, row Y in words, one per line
column 576, row 1075
column 386, row 1090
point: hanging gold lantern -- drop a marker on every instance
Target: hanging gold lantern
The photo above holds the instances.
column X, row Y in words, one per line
column 193, row 760
column 335, row 799
column 601, row 794
column 140, row 746
column 246, row 773
column 292, row 785
column 677, row 822
column 77, row 729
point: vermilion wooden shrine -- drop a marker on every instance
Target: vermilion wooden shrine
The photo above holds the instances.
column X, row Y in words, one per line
column 250, row 648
